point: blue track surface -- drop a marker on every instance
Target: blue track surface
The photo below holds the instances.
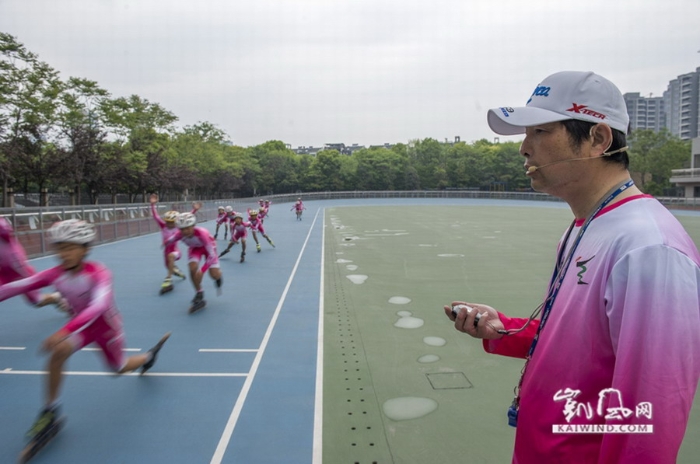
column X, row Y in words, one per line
column 253, row 402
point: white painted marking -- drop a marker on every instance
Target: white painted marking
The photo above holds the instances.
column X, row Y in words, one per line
column 236, row 412
column 133, row 374
column 317, row 457
column 224, row 350
column 12, row 348
column 100, row 349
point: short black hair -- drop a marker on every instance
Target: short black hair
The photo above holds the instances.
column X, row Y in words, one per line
column 580, row 130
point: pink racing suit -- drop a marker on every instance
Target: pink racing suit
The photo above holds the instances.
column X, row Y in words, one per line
column 94, row 314
column 221, row 218
column 239, row 231
column 13, row 260
column 168, row 233
column 256, row 225
column 199, row 245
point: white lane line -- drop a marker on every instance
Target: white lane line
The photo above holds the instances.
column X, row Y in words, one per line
column 225, row 350
column 318, row 404
column 236, row 412
column 100, row 349
column 9, row 371
column 12, row 348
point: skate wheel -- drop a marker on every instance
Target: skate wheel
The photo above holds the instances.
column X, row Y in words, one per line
column 198, row 307
column 39, row 442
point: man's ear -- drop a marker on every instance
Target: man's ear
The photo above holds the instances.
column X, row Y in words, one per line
column 601, row 139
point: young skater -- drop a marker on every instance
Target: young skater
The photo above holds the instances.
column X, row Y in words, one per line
column 239, row 232
column 200, row 244
column 298, row 207
column 87, row 285
column 171, row 252
column 264, row 210
column 221, row 219
column 13, row 260
column 256, row 225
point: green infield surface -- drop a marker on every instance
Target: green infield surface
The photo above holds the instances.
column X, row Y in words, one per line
column 400, row 384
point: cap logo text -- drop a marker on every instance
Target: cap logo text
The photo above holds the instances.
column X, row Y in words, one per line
column 540, row 91
column 505, row 111
column 583, row 109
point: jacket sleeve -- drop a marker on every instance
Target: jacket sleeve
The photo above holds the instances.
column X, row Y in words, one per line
column 653, row 308
column 516, row 345
column 28, row 284
column 158, row 219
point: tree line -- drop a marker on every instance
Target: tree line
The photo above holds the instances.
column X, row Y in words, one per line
column 74, row 136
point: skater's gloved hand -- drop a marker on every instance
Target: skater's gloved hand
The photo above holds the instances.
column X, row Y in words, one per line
column 47, row 299
column 56, row 299
column 54, row 340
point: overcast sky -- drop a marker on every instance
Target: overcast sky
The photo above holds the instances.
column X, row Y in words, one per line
column 309, row 72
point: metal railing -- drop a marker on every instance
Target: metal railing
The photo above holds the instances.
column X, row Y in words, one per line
column 116, row 222
column 112, row 222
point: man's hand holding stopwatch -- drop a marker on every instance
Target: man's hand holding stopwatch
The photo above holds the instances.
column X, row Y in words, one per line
column 475, row 319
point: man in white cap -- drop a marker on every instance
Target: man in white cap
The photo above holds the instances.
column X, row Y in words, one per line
column 613, row 352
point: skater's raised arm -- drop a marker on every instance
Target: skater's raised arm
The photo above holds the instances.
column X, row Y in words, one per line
column 157, row 218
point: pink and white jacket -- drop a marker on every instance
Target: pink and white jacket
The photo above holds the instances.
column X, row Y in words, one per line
column 621, row 346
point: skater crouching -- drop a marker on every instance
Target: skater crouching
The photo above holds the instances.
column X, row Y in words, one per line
column 87, row 287
column 239, row 232
column 256, row 225
column 200, row 244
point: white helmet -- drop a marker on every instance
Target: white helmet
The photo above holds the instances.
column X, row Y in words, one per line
column 229, row 209
column 72, row 231
column 170, row 216
column 221, row 208
column 185, row 220
column 238, row 215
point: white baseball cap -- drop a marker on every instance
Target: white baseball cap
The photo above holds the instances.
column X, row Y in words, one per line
column 585, row 96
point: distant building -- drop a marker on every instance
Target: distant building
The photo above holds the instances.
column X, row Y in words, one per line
column 339, row 147
column 307, row 150
column 349, row 150
column 682, row 105
column 645, row 112
column 678, row 110
column 689, row 179
column 386, row 145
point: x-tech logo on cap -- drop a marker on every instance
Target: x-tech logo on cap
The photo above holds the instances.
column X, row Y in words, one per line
column 583, row 109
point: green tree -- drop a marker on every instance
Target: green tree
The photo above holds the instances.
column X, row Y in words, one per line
column 652, row 157
column 144, row 130
column 81, row 124
column 324, row 172
column 29, row 91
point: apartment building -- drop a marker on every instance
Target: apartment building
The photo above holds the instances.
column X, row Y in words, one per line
column 682, row 105
column 645, row 112
column 678, row 110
